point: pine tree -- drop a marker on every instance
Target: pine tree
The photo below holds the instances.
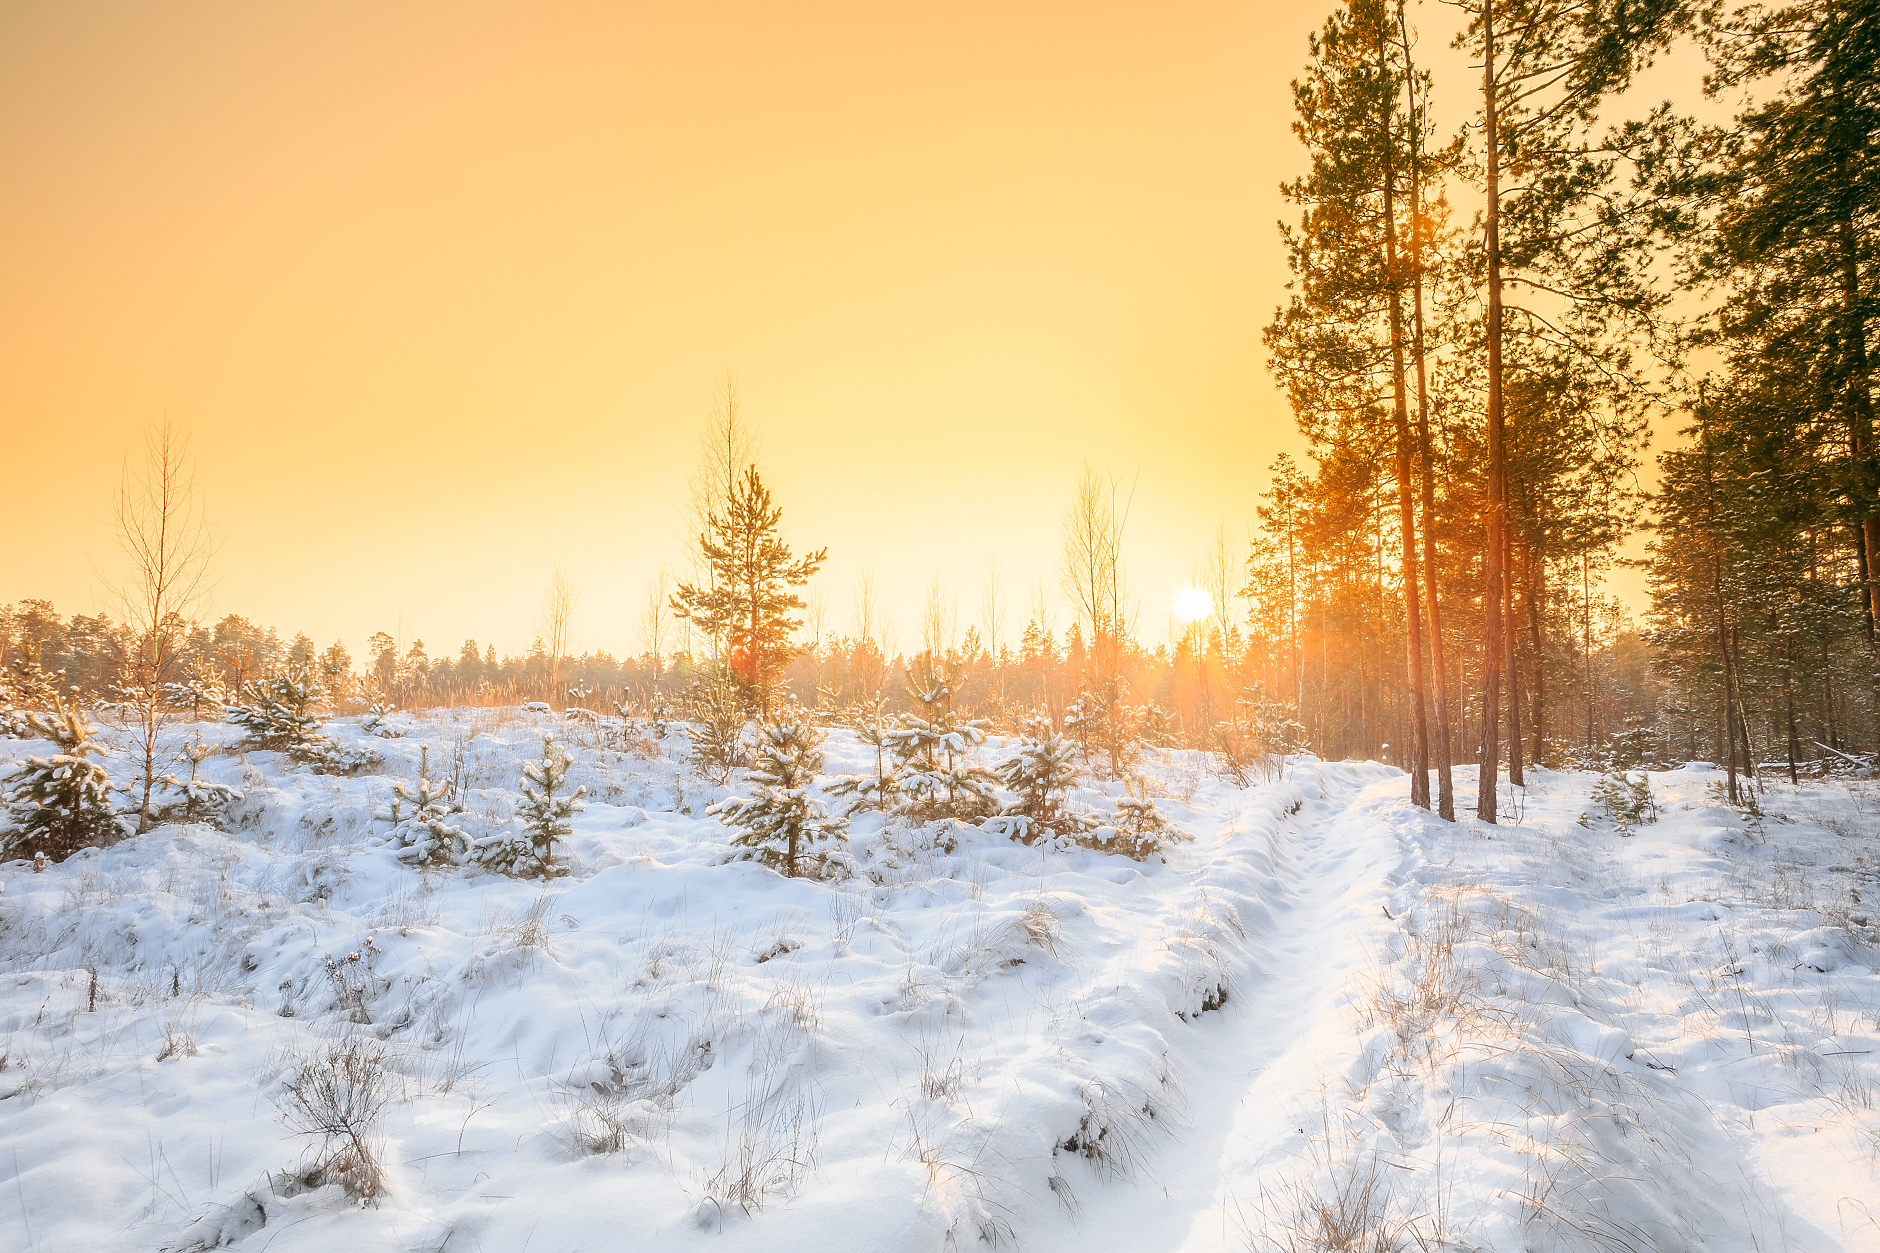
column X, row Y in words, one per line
column 748, row 603
column 1141, row 828
column 876, row 790
column 931, row 746
column 281, row 716
column 421, row 820
column 200, row 797
column 782, row 824
column 62, row 803
column 546, row 815
column 200, row 688
column 1040, row 773
column 717, row 731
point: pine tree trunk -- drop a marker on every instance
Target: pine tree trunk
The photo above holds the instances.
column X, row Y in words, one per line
column 1439, row 660
column 1860, row 421
column 1419, row 754
column 1536, row 588
column 1515, row 737
column 1496, row 522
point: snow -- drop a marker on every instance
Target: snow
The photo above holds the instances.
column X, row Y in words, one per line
column 1327, row 1007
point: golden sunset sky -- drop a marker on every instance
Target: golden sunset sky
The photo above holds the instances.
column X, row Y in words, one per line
column 443, row 292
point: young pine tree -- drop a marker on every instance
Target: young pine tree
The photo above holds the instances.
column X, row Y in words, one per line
column 62, row 803
column 421, row 820
column 748, row 601
column 548, row 808
column 281, row 716
column 876, row 790
column 931, row 745
column 781, row 823
column 1041, row 772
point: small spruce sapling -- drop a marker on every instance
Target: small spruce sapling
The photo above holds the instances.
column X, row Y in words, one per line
column 1141, row 830
column 1628, row 801
column 548, row 806
column 1041, row 772
column 201, row 798
column 420, row 818
column 280, row 715
column 200, row 688
column 62, row 803
column 870, row 791
column 782, row 825
column 931, row 746
column 717, row 732
column 374, row 722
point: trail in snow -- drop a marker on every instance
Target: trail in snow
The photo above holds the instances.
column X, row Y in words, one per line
column 1242, row 1070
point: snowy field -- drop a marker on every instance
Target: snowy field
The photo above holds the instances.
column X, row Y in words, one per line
column 1327, row 1021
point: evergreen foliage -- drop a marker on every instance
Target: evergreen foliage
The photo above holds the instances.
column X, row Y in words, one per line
column 932, row 745
column 197, row 797
column 200, row 688
column 876, row 790
column 1141, row 829
column 717, row 732
column 373, row 722
column 548, row 808
column 1628, row 801
column 280, row 716
column 748, row 602
column 781, row 824
column 420, row 816
column 1039, row 774
column 1107, row 726
column 59, row 804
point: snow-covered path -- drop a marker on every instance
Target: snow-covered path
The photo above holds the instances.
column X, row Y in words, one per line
column 1241, row 1069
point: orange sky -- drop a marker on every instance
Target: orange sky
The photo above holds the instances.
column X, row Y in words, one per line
column 443, row 291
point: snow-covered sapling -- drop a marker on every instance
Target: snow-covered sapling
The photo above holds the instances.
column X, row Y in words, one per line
column 200, row 688
column 1041, row 772
column 374, row 723
column 62, row 803
column 1141, row 829
column 420, row 818
column 717, row 732
column 548, row 807
column 200, row 797
column 782, row 825
column 931, row 747
column 1628, row 801
column 875, row 790
column 280, row 715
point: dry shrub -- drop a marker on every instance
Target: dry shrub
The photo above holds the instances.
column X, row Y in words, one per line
column 337, row 1095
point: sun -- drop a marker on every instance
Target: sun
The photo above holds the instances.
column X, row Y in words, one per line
column 1192, row 604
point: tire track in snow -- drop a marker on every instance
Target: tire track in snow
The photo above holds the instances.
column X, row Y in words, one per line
column 1245, row 1071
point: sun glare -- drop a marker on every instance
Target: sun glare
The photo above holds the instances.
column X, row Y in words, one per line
column 1193, row 604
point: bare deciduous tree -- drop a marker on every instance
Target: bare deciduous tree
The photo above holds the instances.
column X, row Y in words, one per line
column 939, row 620
column 992, row 617
column 558, row 604
column 653, row 629
column 167, row 544
column 1091, row 566
column 1220, row 578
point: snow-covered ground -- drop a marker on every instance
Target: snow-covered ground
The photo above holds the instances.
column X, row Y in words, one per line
column 1326, row 1017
